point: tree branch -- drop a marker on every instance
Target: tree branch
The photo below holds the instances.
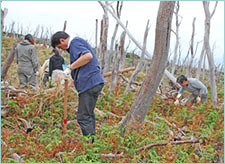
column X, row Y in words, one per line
column 214, row 9
column 165, row 143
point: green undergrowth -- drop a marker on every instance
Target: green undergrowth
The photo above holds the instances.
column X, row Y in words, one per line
column 47, row 143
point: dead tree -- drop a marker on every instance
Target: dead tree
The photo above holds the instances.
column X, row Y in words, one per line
column 114, row 69
column 36, row 32
column 167, row 73
column 192, row 48
column 139, row 109
column 117, row 62
column 42, row 34
column 12, row 30
column 200, row 63
column 208, row 17
column 122, row 50
column 140, row 64
column 177, row 37
column 4, row 13
column 119, row 6
column 103, row 38
column 204, row 60
column 123, row 57
column 64, row 27
column 7, row 63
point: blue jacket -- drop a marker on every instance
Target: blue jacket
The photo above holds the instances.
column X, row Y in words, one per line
column 88, row 75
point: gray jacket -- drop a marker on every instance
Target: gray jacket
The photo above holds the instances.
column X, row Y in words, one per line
column 26, row 56
column 195, row 86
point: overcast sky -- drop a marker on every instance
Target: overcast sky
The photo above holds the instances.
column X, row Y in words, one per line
column 81, row 16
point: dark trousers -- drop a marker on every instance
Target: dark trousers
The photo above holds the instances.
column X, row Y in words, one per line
column 86, row 106
column 46, row 78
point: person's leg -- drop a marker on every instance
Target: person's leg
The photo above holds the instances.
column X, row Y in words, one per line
column 95, row 93
column 33, row 82
column 85, row 114
column 23, row 80
column 46, row 78
column 191, row 99
column 204, row 98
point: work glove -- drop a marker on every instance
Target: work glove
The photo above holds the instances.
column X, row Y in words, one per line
column 179, row 95
column 67, row 72
column 37, row 73
column 176, row 102
column 198, row 99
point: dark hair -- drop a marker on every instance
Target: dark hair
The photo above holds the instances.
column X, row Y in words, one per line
column 58, row 35
column 29, row 37
column 55, row 51
column 181, row 79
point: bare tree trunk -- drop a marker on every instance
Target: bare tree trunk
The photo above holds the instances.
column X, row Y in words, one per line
column 208, row 17
column 204, row 67
column 64, row 27
column 42, row 33
column 116, row 65
column 200, row 63
column 185, row 61
column 103, row 39
column 140, row 64
column 12, row 28
column 192, row 48
column 2, row 21
column 7, row 63
column 179, row 58
column 115, row 70
column 123, row 56
column 4, row 13
column 36, row 32
column 139, row 109
column 109, row 57
column 177, row 38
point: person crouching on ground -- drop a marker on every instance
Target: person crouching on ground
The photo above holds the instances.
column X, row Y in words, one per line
column 27, row 60
column 87, row 77
column 199, row 92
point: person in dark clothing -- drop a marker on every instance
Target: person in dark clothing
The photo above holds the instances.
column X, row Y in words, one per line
column 55, row 62
column 87, row 77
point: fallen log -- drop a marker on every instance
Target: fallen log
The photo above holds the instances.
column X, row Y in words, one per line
column 107, row 74
column 111, row 155
column 133, row 82
column 166, row 143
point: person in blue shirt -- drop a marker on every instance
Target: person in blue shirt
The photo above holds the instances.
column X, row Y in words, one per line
column 88, row 80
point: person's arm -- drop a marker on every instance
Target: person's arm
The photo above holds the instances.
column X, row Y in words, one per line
column 84, row 59
column 181, row 91
column 34, row 59
column 50, row 67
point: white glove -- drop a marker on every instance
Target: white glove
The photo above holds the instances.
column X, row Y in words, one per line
column 67, row 72
column 198, row 99
column 37, row 73
column 179, row 95
column 176, row 102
